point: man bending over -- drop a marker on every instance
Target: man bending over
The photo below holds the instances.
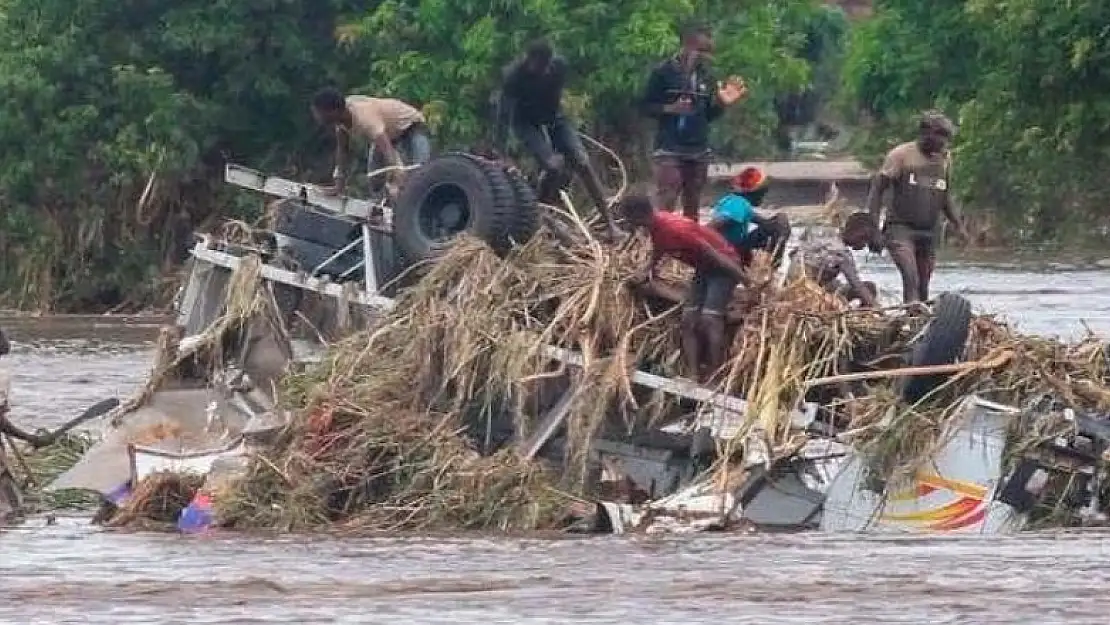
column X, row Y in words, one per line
column 825, row 263
column 388, row 127
column 735, row 217
column 716, row 273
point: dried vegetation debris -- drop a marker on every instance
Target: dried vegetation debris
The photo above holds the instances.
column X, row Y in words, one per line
column 396, row 428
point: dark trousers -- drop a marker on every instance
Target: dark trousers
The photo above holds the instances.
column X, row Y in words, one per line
column 914, row 253
column 680, row 176
column 559, row 137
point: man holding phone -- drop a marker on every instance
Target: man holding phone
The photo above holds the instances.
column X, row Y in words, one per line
column 684, row 98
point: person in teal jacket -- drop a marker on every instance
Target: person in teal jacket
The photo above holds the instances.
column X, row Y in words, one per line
column 735, row 217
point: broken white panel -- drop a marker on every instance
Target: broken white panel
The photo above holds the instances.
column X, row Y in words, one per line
column 696, row 508
column 146, row 461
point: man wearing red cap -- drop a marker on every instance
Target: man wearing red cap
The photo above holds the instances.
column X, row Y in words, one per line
column 734, row 216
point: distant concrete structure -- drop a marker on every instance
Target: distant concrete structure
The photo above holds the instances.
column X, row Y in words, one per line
column 804, row 183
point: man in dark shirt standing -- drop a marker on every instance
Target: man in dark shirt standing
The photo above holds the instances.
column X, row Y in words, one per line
column 683, row 96
column 917, row 173
column 531, row 106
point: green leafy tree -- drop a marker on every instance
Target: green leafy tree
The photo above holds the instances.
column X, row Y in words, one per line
column 1025, row 79
column 110, row 103
column 119, row 114
column 451, row 53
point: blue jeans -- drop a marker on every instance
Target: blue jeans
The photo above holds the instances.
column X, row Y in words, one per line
column 414, row 145
column 559, row 137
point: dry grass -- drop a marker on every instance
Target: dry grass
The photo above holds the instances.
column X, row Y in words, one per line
column 389, row 426
column 899, row 438
column 388, row 429
column 158, row 499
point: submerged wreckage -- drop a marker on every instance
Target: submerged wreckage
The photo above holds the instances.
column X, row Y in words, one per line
column 481, row 384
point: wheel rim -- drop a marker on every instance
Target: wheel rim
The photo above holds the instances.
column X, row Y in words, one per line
column 445, row 212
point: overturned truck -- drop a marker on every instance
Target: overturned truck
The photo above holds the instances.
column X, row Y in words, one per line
column 703, row 458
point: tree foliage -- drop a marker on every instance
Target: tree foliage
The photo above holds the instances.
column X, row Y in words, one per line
column 451, row 54
column 119, row 114
column 1027, row 81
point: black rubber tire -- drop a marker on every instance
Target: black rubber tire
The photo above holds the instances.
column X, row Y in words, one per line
column 528, row 210
column 942, row 343
column 489, row 201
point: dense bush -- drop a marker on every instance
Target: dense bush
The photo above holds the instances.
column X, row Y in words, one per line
column 1026, row 80
column 118, row 115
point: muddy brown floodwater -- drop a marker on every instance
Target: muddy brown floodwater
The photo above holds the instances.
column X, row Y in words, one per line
column 70, row 572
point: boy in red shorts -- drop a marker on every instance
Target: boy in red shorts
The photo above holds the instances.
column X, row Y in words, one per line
column 717, row 271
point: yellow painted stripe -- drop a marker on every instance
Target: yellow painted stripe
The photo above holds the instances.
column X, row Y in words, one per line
column 956, row 508
column 967, row 489
column 915, row 492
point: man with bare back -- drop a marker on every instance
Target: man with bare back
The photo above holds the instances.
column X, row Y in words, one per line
column 917, row 173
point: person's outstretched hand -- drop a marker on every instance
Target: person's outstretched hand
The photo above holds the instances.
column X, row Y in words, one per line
column 732, row 90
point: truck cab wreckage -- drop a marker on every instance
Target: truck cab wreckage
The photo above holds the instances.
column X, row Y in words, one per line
column 213, row 400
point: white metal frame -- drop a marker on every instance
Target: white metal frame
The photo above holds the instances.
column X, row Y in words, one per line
column 310, row 194
column 203, row 251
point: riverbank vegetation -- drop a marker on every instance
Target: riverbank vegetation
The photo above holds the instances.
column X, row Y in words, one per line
column 119, row 116
column 1025, row 80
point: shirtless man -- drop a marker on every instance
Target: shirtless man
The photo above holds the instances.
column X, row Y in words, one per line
column 918, row 174
column 716, row 273
column 389, row 127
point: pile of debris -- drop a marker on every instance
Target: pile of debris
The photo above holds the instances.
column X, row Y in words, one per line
column 408, row 425
column 457, row 409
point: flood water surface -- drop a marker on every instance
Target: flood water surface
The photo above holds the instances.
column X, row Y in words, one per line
column 69, row 572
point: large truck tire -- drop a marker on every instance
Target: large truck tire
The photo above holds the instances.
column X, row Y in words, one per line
column 450, row 195
column 528, row 210
column 942, row 343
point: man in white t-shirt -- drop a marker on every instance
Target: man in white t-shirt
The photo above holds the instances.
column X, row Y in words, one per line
column 395, row 132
